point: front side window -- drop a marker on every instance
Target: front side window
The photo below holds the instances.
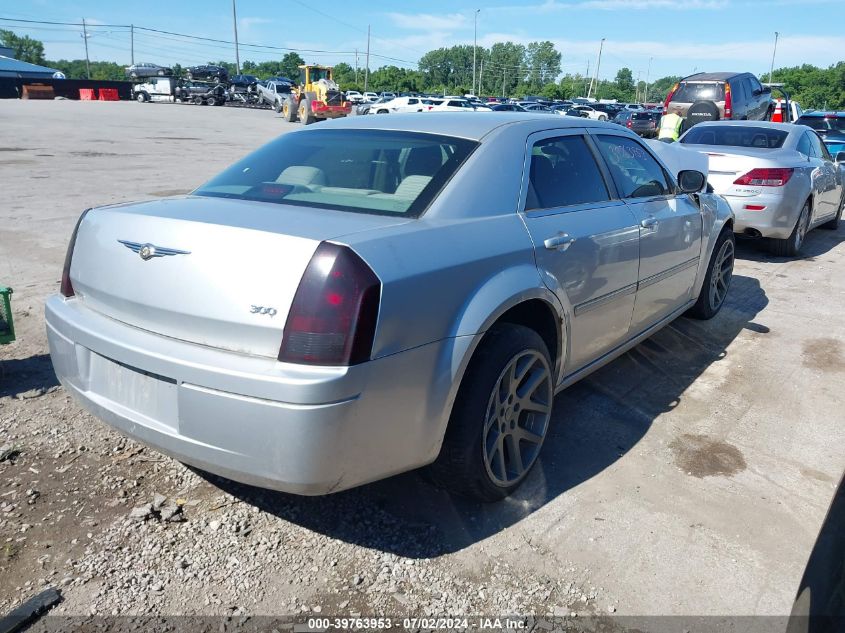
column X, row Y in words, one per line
column 365, row 171
column 636, row 172
column 819, row 150
column 564, row 173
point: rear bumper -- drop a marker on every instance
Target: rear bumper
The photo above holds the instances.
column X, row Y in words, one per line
column 776, row 219
column 255, row 420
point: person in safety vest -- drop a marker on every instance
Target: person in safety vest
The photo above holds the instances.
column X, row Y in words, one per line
column 671, row 127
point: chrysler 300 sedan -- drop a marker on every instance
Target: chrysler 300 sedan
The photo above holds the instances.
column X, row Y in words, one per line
column 377, row 294
column 779, row 178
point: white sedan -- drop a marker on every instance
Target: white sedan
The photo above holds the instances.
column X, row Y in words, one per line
column 591, row 113
column 458, row 105
column 399, row 104
column 779, row 178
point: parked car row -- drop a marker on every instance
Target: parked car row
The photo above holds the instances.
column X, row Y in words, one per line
column 205, row 72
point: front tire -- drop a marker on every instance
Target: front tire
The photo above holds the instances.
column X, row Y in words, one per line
column 717, row 281
column 500, row 418
column 791, row 246
column 141, row 97
column 832, row 225
column 306, row 115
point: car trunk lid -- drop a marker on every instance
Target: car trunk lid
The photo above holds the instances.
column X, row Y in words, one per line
column 211, row 271
column 728, row 163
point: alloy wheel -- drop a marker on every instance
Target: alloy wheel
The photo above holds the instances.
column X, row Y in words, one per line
column 720, row 278
column 517, row 418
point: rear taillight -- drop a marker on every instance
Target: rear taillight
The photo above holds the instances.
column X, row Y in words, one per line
column 766, row 177
column 332, row 320
column 728, row 101
column 67, row 287
column 629, row 123
column 669, row 98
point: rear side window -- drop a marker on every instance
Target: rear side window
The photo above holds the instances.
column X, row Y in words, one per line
column 636, row 173
column 367, row 171
column 804, row 145
column 691, row 91
column 735, row 136
column 564, row 173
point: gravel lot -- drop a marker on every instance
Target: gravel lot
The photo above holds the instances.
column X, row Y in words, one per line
column 688, row 477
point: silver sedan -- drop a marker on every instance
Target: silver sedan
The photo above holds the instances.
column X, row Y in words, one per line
column 779, row 178
column 376, row 294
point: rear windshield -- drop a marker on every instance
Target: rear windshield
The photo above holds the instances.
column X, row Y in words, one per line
column 643, row 116
column 367, row 171
column 735, row 136
column 823, row 123
column 690, row 92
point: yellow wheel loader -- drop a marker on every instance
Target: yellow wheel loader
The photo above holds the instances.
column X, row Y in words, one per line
column 315, row 98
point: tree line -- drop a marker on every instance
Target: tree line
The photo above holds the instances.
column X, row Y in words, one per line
column 504, row 69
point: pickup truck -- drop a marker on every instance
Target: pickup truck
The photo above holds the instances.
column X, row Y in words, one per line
column 273, row 93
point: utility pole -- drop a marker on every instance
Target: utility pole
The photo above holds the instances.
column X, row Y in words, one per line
column 367, row 68
column 87, row 61
column 772, row 68
column 598, row 67
column 637, row 91
column 587, row 78
column 237, row 53
column 647, row 77
column 132, row 43
column 480, row 76
column 356, row 66
column 504, row 70
column 474, row 45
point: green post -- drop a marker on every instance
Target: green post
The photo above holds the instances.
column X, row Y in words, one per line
column 7, row 326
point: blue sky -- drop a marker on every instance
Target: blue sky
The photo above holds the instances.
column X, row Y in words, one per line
column 678, row 36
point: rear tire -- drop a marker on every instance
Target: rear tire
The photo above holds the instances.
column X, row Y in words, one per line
column 289, row 110
column 791, row 246
column 500, row 417
column 717, row 281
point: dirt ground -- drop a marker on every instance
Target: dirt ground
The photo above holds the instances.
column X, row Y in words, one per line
column 689, row 477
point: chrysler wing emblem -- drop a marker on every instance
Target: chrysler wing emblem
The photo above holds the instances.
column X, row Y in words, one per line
column 148, row 251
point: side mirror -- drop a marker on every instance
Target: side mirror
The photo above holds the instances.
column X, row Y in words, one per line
column 691, row 181
column 840, row 157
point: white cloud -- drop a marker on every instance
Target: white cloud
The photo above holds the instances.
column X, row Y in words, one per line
column 247, row 23
column 428, row 21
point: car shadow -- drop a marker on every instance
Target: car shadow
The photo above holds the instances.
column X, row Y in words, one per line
column 27, row 376
column 596, row 422
column 817, row 243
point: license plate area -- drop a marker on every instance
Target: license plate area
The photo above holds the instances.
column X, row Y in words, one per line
column 138, row 392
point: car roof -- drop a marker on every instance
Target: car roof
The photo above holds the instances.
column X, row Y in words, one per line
column 823, row 115
column 712, row 76
column 469, row 125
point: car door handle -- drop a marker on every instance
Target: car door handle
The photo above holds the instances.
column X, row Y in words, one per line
column 559, row 242
column 649, row 223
